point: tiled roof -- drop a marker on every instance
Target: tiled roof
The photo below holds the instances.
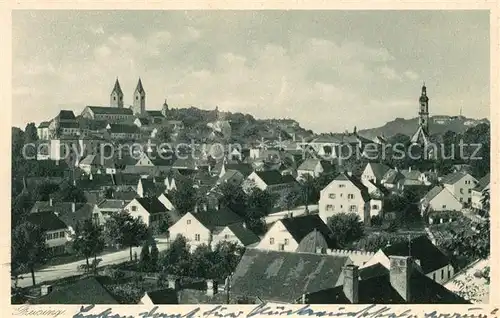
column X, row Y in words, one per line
column 411, row 174
column 154, row 113
column 244, row 168
column 139, row 87
column 47, row 221
column 112, row 204
column 84, row 291
column 125, row 195
column 123, row 128
column 117, row 88
column 357, row 183
column 152, row 205
column 219, row 218
column 273, row 177
column 163, row 296
column 483, row 183
column 301, row 226
column 143, row 121
column 285, row 276
column 110, row 110
column 66, row 115
column 82, row 213
column 453, row 177
column 379, row 169
column 420, row 248
column 245, row 236
column 392, row 176
column 309, row 164
column 378, row 289
column 44, row 124
column 69, row 124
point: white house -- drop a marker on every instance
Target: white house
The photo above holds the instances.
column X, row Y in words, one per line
column 460, row 184
column 313, row 167
column 374, row 172
column 271, row 180
column 107, row 207
column 235, row 233
column 199, row 227
column 433, row 263
column 149, row 210
column 43, row 130
column 477, row 192
column 345, row 194
column 440, row 199
column 56, row 231
column 298, row 234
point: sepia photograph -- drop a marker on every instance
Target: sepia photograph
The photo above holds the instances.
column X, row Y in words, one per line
column 165, row 157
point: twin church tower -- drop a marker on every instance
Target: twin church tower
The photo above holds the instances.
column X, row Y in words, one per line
column 139, row 104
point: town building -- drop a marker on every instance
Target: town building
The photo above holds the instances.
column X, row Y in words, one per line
column 460, row 184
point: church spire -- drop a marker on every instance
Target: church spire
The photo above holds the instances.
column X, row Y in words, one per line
column 116, row 96
column 139, row 87
column 139, row 105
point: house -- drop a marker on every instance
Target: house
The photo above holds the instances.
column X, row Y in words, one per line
column 477, row 193
column 69, row 128
column 43, row 130
column 150, row 211
column 199, row 227
column 149, row 187
column 347, row 194
column 440, row 198
column 233, row 177
column 298, row 234
column 460, row 184
column 123, row 131
column 264, row 276
column 313, row 167
column 236, row 233
column 109, row 114
column 167, row 296
column 107, row 207
column 88, row 290
column 432, row 262
column 374, row 172
column 244, row 169
column 56, row 231
column 97, row 163
column 391, row 178
column 141, row 121
column 272, row 181
column 401, row 283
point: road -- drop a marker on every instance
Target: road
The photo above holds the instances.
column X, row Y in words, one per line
column 70, row 269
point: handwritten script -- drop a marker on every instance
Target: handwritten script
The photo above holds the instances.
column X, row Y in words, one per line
column 221, row 311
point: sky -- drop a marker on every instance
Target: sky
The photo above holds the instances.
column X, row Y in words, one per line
column 329, row 70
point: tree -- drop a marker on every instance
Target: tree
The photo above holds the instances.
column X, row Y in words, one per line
column 346, row 228
column 43, row 191
column 145, row 258
column 30, row 133
column 88, row 240
column 485, row 199
column 259, row 203
column 154, row 256
column 183, row 198
column 69, row 193
column 165, row 133
column 177, row 258
column 20, row 207
column 309, row 192
column 125, row 230
column 28, row 248
column 374, row 242
column 226, row 256
column 202, row 261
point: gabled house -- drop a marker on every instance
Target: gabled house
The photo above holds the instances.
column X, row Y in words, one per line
column 431, row 261
column 298, row 234
column 150, row 211
column 107, row 207
column 110, row 114
column 264, row 276
column 478, row 192
column 374, row 172
column 56, row 231
column 200, row 227
column 149, row 187
column 391, row 179
column 43, row 130
column 244, row 169
column 401, row 283
column 439, row 198
column 123, row 131
column 461, row 185
column 313, row 167
column 236, row 233
column 347, row 194
column 271, row 181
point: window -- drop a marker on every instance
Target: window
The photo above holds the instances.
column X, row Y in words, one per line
column 197, row 237
column 286, row 241
column 442, row 274
column 374, row 207
column 61, row 234
column 49, row 236
column 470, row 190
column 461, row 199
column 56, row 235
column 449, row 273
column 433, row 276
column 281, row 247
column 341, row 185
column 444, row 206
column 271, row 240
column 134, row 208
column 226, row 236
column 331, row 196
column 352, row 208
column 329, row 207
column 461, row 190
column 350, row 196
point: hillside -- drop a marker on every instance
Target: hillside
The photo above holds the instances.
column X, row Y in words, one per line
column 437, row 125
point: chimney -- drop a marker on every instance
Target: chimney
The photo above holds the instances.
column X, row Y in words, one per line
column 50, row 202
column 45, row 289
column 174, row 283
column 400, row 274
column 73, row 207
column 211, row 287
column 351, row 283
